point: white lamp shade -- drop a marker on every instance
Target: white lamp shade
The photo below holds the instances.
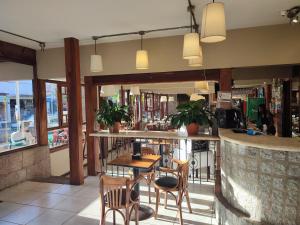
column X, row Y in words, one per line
column 213, row 27
column 96, row 63
column 201, row 85
column 163, row 98
column 196, row 97
column 109, row 90
column 142, row 60
column 135, row 90
column 171, row 99
column 191, row 47
column 197, row 61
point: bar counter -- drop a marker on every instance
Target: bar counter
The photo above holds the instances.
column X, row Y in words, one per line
column 260, row 180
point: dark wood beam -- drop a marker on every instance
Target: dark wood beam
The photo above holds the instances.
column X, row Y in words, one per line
column 92, row 143
column 16, row 53
column 176, row 76
column 72, row 62
column 225, row 79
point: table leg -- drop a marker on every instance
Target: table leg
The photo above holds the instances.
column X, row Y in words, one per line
column 145, row 212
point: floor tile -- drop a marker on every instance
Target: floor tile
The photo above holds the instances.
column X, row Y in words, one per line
column 6, row 223
column 52, row 217
column 7, row 208
column 22, row 197
column 23, row 215
column 67, row 189
column 73, row 204
column 79, row 220
column 48, row 200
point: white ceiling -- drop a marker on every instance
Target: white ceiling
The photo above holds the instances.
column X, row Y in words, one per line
column 53, row 20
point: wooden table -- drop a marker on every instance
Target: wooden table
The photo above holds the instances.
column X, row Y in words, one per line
column 146, row 162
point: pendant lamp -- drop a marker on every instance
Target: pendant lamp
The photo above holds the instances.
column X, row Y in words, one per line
column 96, row 61
column 191, row 46
column 201, row 85
column 196, row 97
column 213, row 27
column 135, row 90
column 163, row 98
column 142, row 56
column 109, row 90
column 197, row 61
column 171, row 99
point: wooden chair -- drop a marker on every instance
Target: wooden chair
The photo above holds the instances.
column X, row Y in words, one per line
column 177, row 182
column 148, row 175
column 116, row 194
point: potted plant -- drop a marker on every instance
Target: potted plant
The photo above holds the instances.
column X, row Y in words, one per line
column 191, row 114
column 111, row 114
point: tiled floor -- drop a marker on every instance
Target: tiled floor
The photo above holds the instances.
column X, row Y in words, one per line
column 35, row 203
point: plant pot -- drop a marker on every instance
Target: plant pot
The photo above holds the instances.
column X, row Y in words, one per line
column 192, row 129
column 115, row 128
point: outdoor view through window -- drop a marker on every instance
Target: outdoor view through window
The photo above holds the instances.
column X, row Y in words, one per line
column 17, row 115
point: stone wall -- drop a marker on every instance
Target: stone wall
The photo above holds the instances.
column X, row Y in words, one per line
column 263, row 184
column 23, row 165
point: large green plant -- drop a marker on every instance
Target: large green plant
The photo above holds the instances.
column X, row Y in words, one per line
column 191, row 112
column 110, row 112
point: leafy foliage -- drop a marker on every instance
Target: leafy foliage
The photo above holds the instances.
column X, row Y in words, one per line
column 191, row 112
column 110, row 112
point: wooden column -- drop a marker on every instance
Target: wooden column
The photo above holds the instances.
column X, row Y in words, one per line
column 268, row 95
column 72, row 62
column 286, row 116
column 92, row 143
column 41, row 112
column 225, row 79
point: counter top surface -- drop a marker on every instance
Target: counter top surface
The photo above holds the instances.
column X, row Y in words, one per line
column 261, row 141
column 154, row 135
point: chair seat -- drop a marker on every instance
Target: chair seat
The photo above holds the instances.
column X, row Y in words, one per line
column 167, row 182
column 146, row 170
column 133, row 193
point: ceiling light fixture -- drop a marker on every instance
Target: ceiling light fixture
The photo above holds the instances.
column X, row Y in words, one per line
column 96, row 60
column 196, row 97
column 191, row 47
column 197, row 62
column 135, row 90
column 142, row 56
column 213, row 27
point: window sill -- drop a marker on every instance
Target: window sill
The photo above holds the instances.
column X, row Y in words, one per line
column 11, row 151
column 58, row 148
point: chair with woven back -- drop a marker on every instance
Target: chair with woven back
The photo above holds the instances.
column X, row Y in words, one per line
column 117, row 194
column 177, row 182
column 148, row 174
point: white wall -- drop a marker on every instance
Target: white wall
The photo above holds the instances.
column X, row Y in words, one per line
column 15, row 71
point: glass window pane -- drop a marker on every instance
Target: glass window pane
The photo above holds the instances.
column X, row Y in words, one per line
column 17, row 115
column 64, row 97
column 58, row 137
column 52, row 105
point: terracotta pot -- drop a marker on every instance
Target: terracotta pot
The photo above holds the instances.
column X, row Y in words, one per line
column 115, row 128
column 192, row 128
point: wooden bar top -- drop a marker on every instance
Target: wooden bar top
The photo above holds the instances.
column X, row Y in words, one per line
column 146, row 162
column 154, row 135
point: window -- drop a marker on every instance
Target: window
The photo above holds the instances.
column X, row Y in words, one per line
column 17, row 115
column 57, row 112
column 52, row 105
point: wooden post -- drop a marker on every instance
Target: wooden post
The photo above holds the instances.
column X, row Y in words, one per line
column 268, row 95
column 92, row 143
column 225, row 79
column 72, row 62
column 41, row 113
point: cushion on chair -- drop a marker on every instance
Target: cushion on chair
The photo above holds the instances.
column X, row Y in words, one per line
column 146, row 170
column 167, row 181
column 134, row 196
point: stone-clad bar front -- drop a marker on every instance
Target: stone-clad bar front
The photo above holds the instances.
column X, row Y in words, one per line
column 260, row 180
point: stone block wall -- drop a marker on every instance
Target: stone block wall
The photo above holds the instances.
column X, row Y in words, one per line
column 264, row 184
column 23, row 165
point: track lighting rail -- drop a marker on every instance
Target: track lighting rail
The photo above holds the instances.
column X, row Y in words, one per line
column 145, row 32
column 41, row 43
